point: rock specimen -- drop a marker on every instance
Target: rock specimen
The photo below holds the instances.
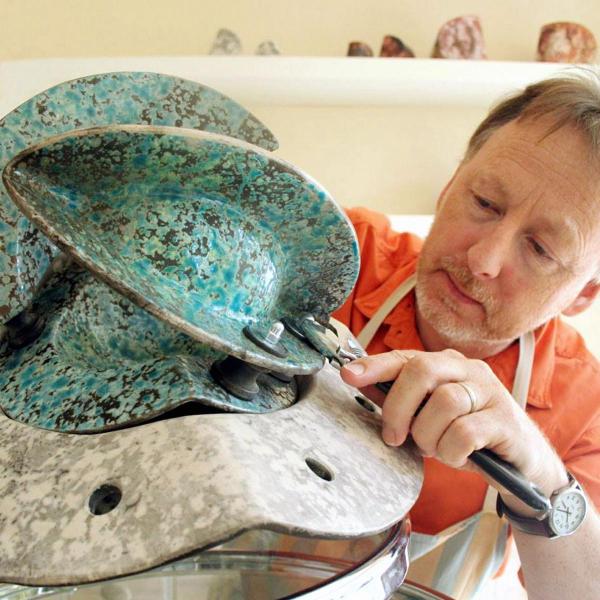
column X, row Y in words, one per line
column 460, row 38
column 359, row 49
column 567, row 43
column 267, row 48
column 393, row 46
column 226, row 42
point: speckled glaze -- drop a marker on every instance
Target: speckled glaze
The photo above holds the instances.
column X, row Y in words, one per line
column 207, row 233
column 103, row 363
column 195, row 481
column 105, row 99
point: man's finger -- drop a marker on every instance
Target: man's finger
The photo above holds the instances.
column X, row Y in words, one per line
column 376, row 368
column 419, row 378
column 448, row 402
column 465, row 435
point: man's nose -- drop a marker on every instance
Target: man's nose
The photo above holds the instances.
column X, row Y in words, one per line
column 487, row 255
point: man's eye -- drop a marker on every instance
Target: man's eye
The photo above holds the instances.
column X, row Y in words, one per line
column 483, row 203
column 539, row 249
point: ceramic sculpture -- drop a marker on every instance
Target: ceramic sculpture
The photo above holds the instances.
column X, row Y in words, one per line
column 183, row 332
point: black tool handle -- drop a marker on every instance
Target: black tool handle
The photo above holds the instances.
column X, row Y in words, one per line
column 500, row 470
column 511, row 478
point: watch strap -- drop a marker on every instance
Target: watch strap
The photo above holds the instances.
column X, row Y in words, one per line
column 532, row 525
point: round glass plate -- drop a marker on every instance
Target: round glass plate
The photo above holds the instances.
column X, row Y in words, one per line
column 278, row 567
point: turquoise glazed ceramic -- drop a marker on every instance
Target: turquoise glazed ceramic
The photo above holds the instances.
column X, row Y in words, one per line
column 102, row 363
column 146, row 98
column 205, row 232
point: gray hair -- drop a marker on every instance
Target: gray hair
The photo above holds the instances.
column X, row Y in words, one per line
column 572, row 99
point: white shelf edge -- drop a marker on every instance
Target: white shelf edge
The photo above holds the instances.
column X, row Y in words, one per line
column 295, row 80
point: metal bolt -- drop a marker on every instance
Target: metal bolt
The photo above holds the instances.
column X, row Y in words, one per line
column 268, row 340
column 274, row 334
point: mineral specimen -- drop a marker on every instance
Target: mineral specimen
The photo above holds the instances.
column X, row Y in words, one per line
column 226, row 42
column 566, row 42
column 359, row 49
column 394, row 47
column 267, row 48
column 460, row 38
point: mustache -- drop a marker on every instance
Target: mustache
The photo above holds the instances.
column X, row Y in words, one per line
column 471, row 286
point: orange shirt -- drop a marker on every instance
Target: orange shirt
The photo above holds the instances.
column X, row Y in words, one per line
column 564, row 394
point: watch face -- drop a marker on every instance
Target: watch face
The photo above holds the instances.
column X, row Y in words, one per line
column 568, row 512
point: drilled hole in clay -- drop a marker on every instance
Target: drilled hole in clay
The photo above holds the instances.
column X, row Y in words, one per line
column 319, row 469
column 104, row 499
column 365, row 403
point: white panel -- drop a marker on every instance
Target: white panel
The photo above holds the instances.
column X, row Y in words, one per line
column 294, row 80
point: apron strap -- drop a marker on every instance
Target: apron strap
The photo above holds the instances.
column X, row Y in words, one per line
column 520, row 389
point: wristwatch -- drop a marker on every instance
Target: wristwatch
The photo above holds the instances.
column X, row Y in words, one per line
column 568, row 509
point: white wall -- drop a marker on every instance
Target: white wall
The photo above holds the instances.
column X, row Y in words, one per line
column 391, row 159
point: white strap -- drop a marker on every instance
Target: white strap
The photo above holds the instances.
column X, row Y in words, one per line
column 368, row 333
column 522, row 379
column 520, row 389
column 489, row 502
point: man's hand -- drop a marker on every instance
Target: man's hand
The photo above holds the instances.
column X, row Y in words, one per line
column 445, row 427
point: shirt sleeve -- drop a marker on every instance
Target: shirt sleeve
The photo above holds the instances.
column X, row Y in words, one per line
column 583, row 461
column 574, row 427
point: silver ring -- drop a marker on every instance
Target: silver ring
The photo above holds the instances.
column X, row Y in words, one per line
column 471, row 394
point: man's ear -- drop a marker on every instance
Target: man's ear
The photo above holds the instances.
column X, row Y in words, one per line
column 584, row 299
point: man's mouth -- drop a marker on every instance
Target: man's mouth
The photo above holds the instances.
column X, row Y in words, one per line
column 458, row 291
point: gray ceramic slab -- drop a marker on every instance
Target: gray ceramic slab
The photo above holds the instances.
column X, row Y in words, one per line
column 205, row 232
column 104, row 99
column 192, row 482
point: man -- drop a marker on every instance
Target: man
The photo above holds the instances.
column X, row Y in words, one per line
column 515, row 243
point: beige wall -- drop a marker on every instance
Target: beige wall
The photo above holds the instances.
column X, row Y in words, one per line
column 392, row 159
column 34, row 28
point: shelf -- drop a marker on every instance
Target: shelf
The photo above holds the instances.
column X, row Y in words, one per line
column 290, row 80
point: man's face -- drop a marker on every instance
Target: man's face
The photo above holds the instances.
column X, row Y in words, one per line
column 516, row 237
